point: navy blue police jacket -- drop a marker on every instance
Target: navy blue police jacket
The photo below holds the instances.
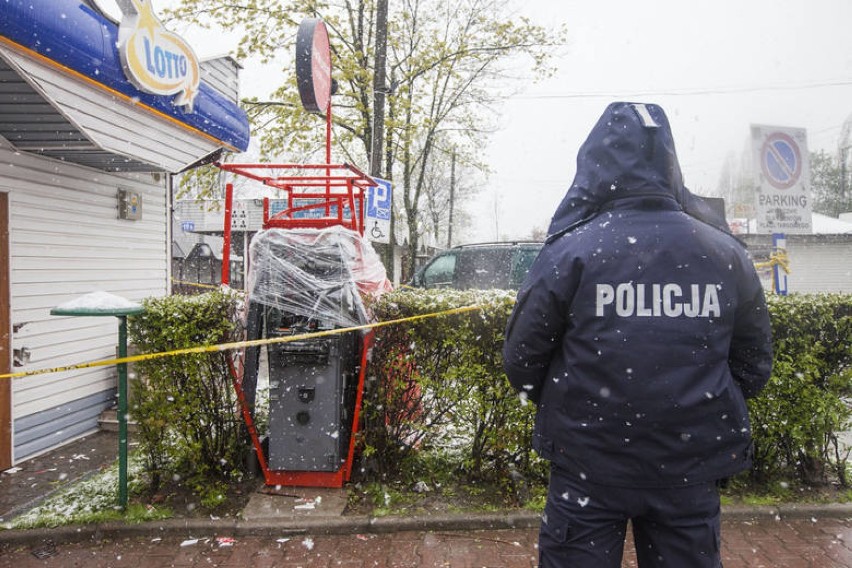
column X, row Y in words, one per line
column 642, row 327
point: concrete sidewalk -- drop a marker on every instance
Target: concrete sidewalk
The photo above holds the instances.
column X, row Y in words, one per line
column 24, row 486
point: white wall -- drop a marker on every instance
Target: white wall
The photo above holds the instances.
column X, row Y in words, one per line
column 823, row 265
column 818, row 263
column 66, row 241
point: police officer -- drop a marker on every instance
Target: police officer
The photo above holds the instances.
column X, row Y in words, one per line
column 639, row 333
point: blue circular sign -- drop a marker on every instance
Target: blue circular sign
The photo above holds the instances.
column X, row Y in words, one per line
column 781, row 161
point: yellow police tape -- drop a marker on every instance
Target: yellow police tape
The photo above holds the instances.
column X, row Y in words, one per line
column 196, row 284
column 236, row 344
column 779, row 258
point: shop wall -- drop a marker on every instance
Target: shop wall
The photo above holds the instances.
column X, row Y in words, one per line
column 820, row 266
column 66, row 241
column 818, row 263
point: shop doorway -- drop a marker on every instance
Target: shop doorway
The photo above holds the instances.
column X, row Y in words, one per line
column 5, row 340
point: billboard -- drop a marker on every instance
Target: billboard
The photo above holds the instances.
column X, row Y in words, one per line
column 782, row 201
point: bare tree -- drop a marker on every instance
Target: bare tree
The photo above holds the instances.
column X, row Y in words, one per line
column 448, row 66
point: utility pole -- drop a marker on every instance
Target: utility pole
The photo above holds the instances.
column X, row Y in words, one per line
column 380, row 89
column 452, row 198
column 842, row 153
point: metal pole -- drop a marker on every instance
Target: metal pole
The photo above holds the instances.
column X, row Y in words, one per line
column 452, row 199
column 328, row 120
column 380, row 88
column 841, row 207
column 226, row 232
column 377, row 141
column 779, row 242
column 122, row 413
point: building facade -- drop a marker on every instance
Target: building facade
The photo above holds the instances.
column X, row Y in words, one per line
column 87, row 153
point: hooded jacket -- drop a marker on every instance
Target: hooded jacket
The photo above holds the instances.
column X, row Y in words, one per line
column 642, row 326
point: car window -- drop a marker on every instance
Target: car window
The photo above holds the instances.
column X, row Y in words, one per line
column 483, row 268
column 521, row 265
column 439, row 273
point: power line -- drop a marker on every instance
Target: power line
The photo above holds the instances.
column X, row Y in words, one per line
column 688, row 92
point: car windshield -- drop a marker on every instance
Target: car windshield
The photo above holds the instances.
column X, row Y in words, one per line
column 483, row 266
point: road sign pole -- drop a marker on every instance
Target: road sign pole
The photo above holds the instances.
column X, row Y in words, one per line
column 779, row 276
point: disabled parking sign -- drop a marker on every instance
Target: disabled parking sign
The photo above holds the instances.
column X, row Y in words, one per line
column 377, row 217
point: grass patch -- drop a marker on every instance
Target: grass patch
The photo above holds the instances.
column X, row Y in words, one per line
column 92, row 500
column 433, row 482
column 782, row 492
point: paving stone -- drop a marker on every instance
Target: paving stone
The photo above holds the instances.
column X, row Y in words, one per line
column 785, row 538
column 771, row 544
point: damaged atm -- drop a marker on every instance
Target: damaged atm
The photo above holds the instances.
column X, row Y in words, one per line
column 305, row 285
column 310, row 269
column 301, row 284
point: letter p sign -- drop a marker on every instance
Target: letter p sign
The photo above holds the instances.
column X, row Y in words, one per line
column 605, row 295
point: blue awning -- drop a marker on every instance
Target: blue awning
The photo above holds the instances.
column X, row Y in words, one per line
column 79, row 41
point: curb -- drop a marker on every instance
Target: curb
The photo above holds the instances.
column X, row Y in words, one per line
column 795, row 511
column 278, row 527
column 362, row 524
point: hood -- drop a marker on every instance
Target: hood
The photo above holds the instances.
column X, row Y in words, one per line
column 629, row 152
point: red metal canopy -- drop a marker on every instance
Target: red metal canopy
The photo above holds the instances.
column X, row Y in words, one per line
column 316, row 195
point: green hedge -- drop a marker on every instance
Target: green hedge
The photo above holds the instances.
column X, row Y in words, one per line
column 798, row 419
column 185, row 407
column 436, row 387
column 452, row 382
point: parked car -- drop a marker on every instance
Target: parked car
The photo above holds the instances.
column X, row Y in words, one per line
column 481, row 266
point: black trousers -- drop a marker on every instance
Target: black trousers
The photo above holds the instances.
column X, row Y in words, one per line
column 585, row 524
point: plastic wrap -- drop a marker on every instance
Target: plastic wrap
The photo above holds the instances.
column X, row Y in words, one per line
column 315, row 278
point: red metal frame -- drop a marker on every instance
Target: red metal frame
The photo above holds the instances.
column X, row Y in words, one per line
column 305, row 478
column 334, row 194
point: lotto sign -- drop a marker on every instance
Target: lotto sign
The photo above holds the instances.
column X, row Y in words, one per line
column 377, row 219
column 781, row 156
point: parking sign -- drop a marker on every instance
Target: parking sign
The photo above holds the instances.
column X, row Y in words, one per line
column 782, row 201
column 378, row 211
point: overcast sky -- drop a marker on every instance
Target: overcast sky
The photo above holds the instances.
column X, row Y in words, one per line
column 715, row 67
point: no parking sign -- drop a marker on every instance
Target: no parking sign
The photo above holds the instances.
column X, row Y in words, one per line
column 783, row 166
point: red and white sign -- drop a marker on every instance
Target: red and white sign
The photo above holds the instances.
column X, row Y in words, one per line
column 313, row 65
column 782, row 201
